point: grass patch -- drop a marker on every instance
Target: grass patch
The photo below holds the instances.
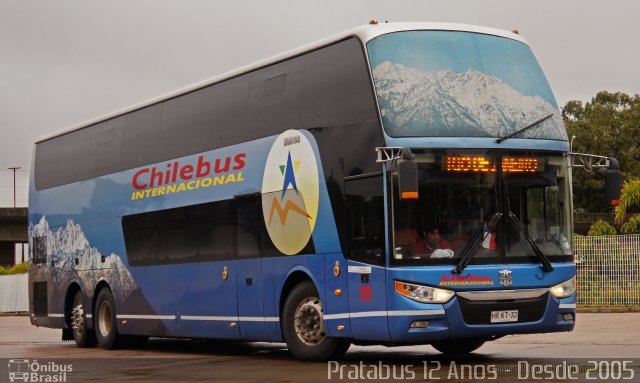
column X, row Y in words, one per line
column 20, row 268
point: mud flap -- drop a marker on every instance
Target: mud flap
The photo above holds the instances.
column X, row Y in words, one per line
column 67, row 334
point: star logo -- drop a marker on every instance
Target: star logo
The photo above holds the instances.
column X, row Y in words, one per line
column 288, row 171
column 289, row 176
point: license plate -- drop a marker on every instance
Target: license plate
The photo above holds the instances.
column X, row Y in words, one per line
column 504, row 316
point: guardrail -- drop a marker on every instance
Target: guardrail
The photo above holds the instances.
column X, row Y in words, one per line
column 608, row 270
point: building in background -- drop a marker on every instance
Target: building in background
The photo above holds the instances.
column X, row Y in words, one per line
column 13, row 236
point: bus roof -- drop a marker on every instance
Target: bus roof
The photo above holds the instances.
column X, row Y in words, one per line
column 365, row 33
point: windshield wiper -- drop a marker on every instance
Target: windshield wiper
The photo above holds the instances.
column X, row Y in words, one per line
column 544, row 261
column 472, row 247
column 499, row 140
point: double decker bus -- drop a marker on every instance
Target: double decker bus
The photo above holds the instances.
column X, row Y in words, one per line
column 395, row 184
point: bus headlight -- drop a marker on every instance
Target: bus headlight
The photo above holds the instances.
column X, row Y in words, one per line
column 564, row 289
column 423, row 294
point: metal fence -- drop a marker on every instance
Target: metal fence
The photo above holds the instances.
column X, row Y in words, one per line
column 608, row 270
column 14, row 291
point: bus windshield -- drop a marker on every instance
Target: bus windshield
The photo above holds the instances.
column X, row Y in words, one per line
column 482, row 197
column 460, row 84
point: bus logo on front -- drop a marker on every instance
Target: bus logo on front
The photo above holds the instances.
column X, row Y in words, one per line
column 506, row 277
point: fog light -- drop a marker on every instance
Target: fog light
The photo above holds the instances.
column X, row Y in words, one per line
column 419, row 324
column 567, row 316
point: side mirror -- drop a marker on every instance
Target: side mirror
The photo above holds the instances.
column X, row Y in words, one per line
column 408, row 175
column 612, row 181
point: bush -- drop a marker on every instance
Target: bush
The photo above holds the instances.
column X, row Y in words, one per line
column 601, row 228
column 20, row 268
column 632, row 226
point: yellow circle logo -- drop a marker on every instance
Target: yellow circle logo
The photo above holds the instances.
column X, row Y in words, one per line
column 290, row 192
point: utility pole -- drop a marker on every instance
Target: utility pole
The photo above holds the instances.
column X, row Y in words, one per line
column 14, row 168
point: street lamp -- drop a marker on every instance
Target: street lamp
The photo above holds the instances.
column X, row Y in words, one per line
column 14, row 168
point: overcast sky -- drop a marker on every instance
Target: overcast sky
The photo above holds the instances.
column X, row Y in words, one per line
column 64, row 62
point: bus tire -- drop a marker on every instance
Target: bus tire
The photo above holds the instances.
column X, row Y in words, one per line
column 105, row 320
column 83, row 336
column 303, row 326
column 457, row 346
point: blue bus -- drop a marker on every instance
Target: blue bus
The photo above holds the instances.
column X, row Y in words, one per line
column 395, row 184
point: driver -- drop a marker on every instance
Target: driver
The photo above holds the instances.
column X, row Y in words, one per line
column 431, row 241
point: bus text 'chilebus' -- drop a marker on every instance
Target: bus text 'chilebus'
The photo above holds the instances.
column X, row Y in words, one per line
column 177, row 177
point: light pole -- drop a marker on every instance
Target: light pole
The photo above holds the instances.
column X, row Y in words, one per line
column 14, row 168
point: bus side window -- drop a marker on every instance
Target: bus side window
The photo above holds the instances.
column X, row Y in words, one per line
column 249, row 227
column 252, row 239
column 364, row 199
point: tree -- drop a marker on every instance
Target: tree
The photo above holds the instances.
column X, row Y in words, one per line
column 630, row 197
column 601, row 228
column 608, row 125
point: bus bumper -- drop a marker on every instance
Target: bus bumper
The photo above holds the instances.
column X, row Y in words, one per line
column 558, row 316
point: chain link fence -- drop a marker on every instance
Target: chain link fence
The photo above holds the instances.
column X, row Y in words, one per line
column 608, row 270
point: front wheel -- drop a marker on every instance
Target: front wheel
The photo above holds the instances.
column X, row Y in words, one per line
column 457, row 346
column 303, row 326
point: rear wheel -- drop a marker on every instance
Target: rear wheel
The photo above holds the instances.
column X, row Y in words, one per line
column 83, row 336
column 303, row 326
column 105, row 320
column 457, row 346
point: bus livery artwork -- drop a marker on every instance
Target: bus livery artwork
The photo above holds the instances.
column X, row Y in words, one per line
column 266, row 204
column 290, row 192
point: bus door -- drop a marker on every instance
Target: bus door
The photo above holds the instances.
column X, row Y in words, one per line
column 364, row 199
column 253, row 293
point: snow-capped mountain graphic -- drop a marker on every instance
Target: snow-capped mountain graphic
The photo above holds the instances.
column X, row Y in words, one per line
column 68, row 244
column 445, row 103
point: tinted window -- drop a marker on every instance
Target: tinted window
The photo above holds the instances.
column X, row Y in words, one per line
column 75, row 156
column 106, row 147
column 213, row 231
column 365, row 207
column 225, row 105
column 329, row 86
column 249, row 228
column 180, row 126
column 337, row 86
column 275, row 99
column 218, row 229
column 47, row 167
column 141, row 131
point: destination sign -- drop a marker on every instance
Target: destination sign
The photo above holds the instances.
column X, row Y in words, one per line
column 480, row 164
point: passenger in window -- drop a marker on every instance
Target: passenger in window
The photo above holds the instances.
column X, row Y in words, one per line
column 432, row 241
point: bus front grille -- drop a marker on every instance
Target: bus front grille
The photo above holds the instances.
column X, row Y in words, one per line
column 479, row 312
